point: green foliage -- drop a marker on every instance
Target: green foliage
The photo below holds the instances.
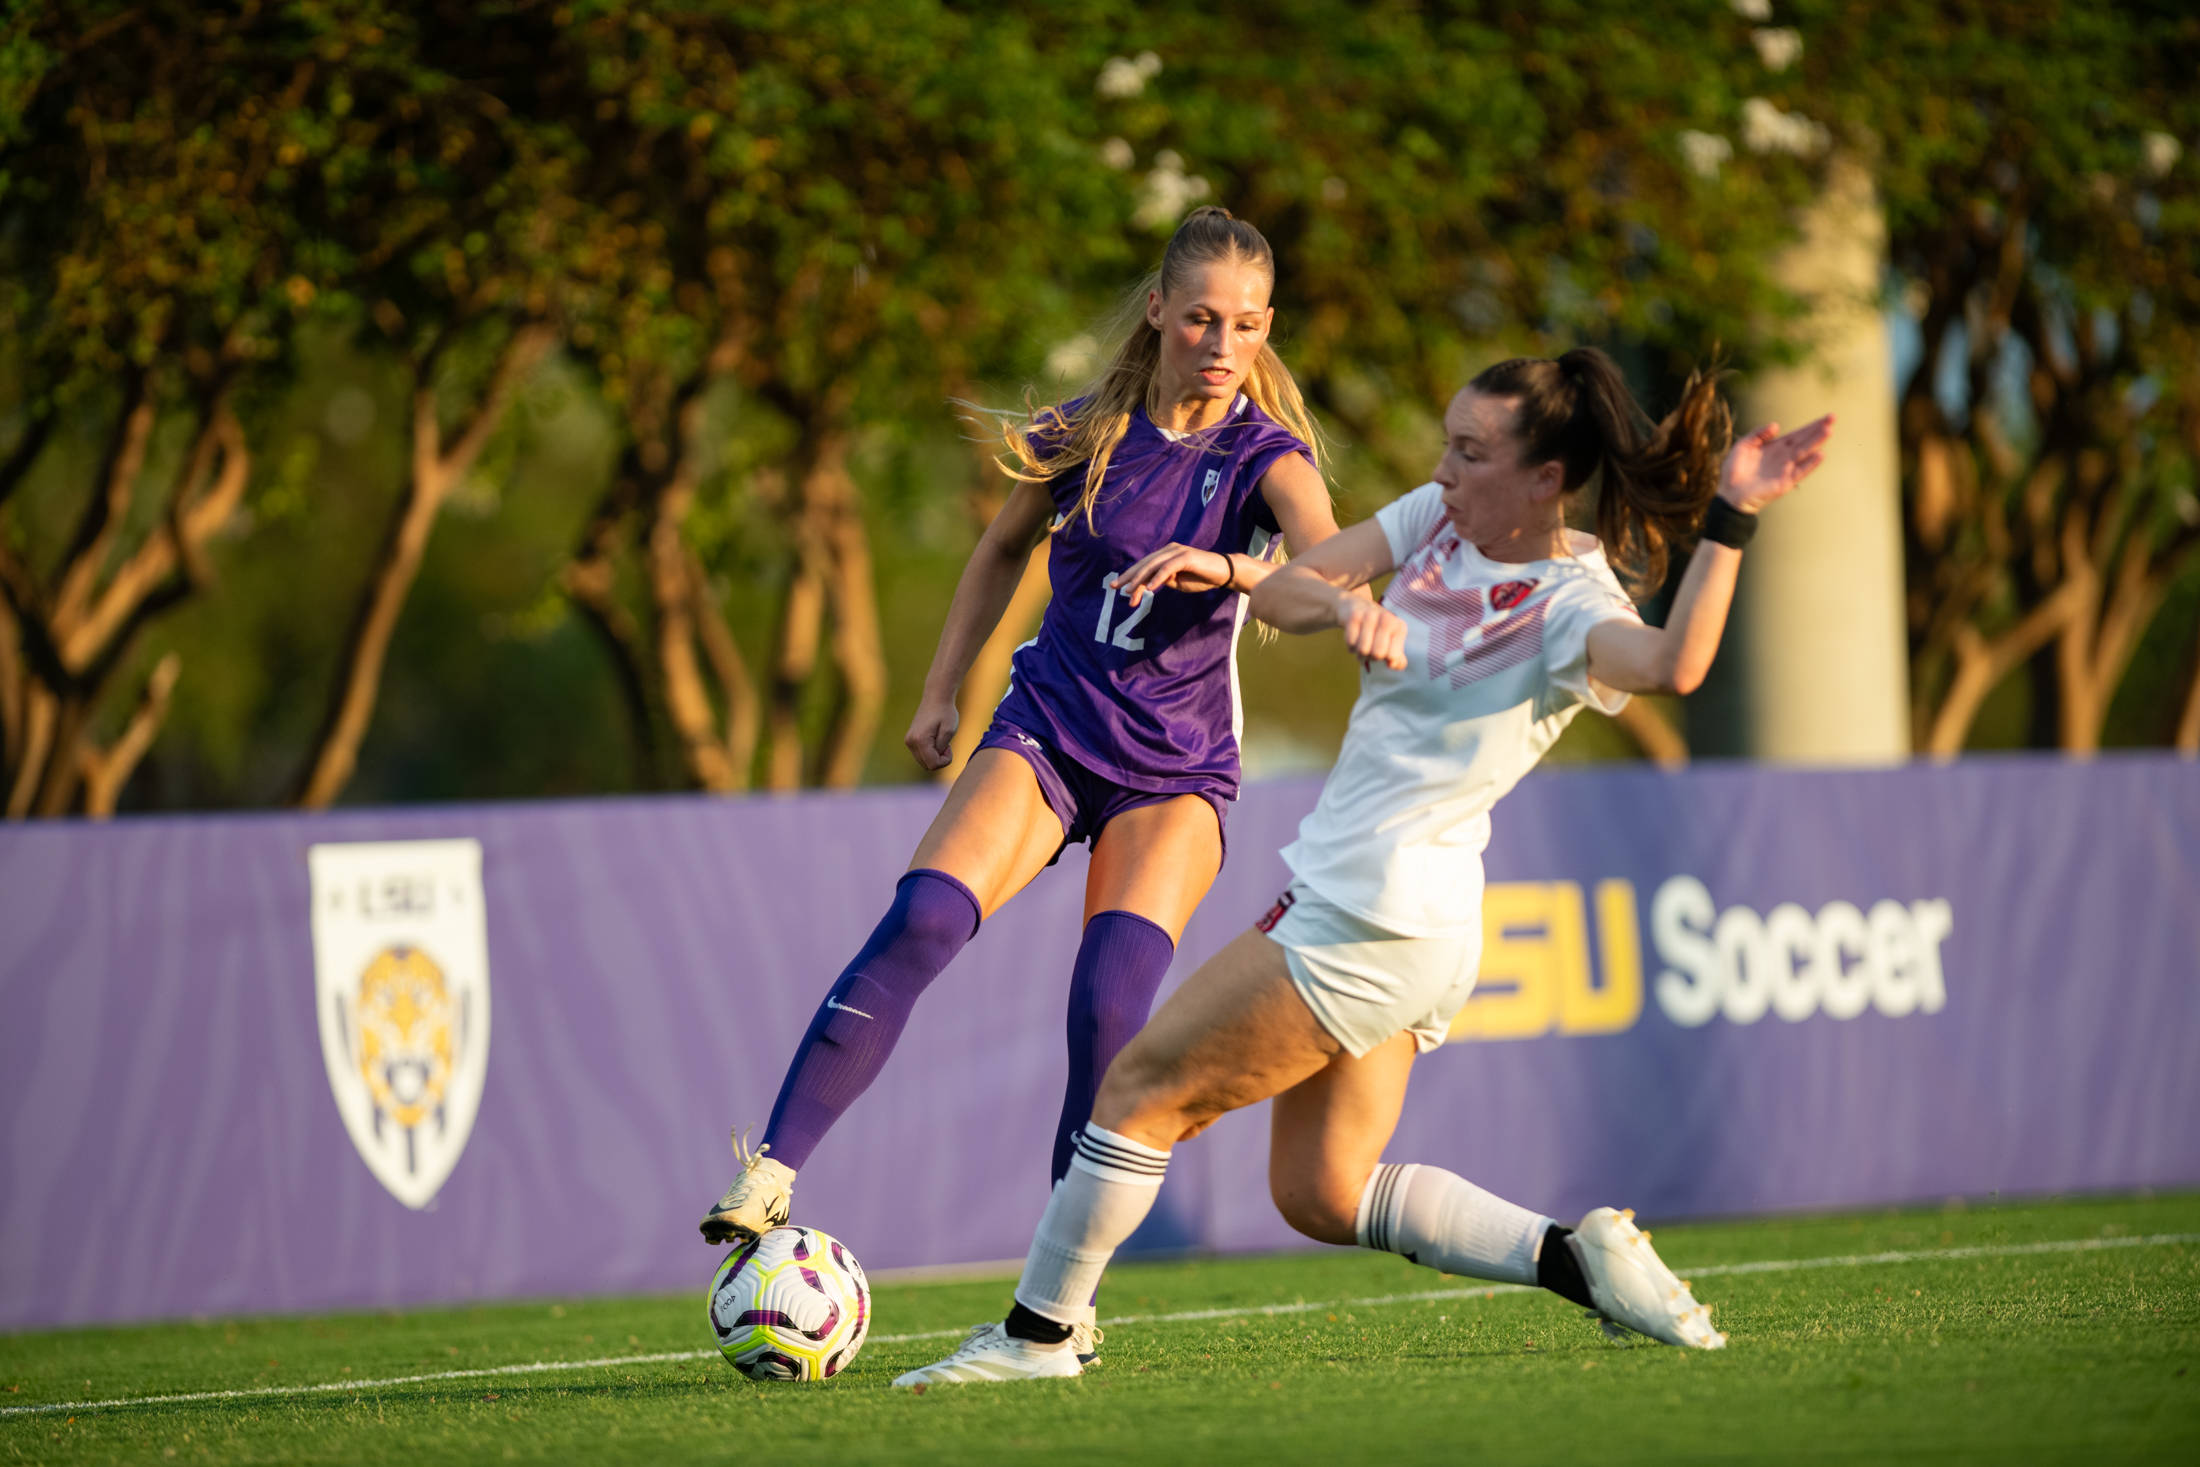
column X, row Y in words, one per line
column 820, row 223
column 2043, row 205
column 1450, row 184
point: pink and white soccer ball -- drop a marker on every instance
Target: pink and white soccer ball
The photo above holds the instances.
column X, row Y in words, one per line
column 792, row 1305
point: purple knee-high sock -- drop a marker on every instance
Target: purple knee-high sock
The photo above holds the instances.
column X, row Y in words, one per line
column 933, row 915
column 1119, row 968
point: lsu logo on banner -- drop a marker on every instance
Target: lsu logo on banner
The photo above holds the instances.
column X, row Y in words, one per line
column 1537, row 975
column 401, row 986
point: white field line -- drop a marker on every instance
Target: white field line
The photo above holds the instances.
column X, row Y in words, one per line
column 1480, row 1291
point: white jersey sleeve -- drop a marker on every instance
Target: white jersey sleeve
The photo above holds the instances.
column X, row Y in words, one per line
column 1578, row 605
column 1410, row 519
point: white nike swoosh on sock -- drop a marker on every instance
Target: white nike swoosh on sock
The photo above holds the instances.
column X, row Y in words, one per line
column 832, row 1003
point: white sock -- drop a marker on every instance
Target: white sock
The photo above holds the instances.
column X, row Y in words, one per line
column 1441, row 1220
column 1110, row 1188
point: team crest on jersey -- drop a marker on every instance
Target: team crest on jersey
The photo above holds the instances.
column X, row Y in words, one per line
column 401, row 987
column 1207, row 490
column 1506, row 595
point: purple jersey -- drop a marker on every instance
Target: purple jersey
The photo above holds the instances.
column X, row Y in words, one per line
column 1147, row 695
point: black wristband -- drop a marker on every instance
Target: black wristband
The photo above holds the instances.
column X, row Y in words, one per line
column 1723, row 524
column 1229, row 583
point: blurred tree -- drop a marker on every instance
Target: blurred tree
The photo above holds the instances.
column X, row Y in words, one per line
column 152, row 269
column 449, row 225
column 2045, row 223
column 1449, row 184
column 833, row 214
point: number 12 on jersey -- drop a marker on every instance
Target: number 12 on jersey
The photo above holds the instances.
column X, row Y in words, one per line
column 1122, row 637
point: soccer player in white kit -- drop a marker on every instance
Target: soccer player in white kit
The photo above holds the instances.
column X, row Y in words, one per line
column 1500, row 625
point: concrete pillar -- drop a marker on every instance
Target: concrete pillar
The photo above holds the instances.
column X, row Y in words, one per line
column 1814, row 668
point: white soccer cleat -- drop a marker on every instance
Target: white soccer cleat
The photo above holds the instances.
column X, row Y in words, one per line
column 757, row 1201
column 992, row 1354
column 1632, row 1286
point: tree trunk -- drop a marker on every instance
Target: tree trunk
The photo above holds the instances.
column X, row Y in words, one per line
column 13, row 684
column 106, row 771
column 1815, row 665
column 851, row 589
column 434, row 471
column 590, row 582
column 41, row 710
column 2095, row 648
column 831, row 571
column 794, row 659
column 672, row 570
column 61, row 650
column 1981, row 664
column 2187, row 740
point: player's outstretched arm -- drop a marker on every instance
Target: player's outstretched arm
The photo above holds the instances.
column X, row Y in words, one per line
column 1322, row 589
column 1674, row 658
column 1294, row 490
column 988, row 584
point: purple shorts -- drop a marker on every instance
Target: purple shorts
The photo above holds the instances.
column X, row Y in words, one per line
column 1083, row 801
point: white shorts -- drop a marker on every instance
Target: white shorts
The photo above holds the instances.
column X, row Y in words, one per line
column 1365, row 984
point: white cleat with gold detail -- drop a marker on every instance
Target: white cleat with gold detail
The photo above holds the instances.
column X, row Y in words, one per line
column 1632, row 1286
column 992, row 1354
column 757, row 1201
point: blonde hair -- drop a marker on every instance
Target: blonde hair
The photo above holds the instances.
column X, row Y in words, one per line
column 1050, row 441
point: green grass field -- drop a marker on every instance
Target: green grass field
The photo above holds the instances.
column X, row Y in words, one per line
column 1982, row 1353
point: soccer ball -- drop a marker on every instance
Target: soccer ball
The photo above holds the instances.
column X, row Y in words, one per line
column 791, row 1305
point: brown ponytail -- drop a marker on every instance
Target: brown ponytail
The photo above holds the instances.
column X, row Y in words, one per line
column 1656, row 482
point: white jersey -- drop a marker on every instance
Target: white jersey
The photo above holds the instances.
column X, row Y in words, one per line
column 1497, row 664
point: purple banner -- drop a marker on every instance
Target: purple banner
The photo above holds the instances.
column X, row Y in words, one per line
column 1730, row 990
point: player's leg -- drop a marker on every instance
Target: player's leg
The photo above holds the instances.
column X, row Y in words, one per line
column 1326, row 1141
column 995, row 832
column 1152, row 865
column 1234, row 1034
column 1327, row 1136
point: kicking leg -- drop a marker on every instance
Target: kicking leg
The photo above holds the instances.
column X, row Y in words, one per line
column 1151, row 866
column 1236, row 1033
column 1328, row 1132
column 994, row 834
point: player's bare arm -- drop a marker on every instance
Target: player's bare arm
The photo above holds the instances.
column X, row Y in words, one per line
column 1300, row 499
column 981, row 597
column 1326, row 588
column 1759, row 469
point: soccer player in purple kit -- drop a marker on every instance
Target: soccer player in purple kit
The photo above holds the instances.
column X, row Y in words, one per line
column 1120, row 726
